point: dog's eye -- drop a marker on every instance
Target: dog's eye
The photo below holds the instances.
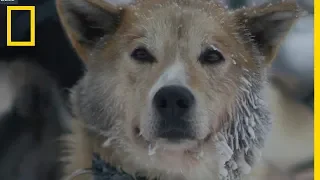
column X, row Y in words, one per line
column 211, row 56
column 143, row 55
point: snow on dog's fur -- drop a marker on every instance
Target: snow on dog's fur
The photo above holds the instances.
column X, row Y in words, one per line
column 173, row 88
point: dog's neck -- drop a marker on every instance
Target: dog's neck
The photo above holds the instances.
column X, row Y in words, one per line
column 247, row 129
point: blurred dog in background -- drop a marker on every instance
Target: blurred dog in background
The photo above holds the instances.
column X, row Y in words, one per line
column 32, row 120
column 288, row 153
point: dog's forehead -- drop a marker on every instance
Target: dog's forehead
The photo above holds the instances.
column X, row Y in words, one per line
column 171, row 23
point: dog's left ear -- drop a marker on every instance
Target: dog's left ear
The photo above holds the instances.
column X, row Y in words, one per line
column 268, row 24
column 86, row 22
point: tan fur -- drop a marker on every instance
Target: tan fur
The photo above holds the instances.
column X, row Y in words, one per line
column 175, row 32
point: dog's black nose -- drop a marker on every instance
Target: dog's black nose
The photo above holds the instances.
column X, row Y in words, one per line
column 173, row 101
column 173, row 104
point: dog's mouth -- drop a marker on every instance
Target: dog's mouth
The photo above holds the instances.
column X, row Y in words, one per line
column 185, row 145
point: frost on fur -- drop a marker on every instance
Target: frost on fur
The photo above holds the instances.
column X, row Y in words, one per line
column 240, row 141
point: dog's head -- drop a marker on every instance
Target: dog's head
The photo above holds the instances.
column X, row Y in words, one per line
column 169, row 75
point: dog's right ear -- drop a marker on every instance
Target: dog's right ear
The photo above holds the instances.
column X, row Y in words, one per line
column 87, row 21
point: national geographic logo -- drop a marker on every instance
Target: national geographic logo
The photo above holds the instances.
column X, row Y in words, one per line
column 31, row 9
column 8, row 2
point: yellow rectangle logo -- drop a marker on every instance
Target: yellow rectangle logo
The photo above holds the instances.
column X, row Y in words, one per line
column 32, row 25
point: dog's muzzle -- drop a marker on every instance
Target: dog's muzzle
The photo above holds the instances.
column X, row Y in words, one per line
column 173, row 105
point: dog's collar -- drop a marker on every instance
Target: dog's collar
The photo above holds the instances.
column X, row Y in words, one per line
column 101, row 170
column 104, row 171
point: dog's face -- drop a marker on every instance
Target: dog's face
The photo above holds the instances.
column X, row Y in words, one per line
column 178, row 72
column 166, row 74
